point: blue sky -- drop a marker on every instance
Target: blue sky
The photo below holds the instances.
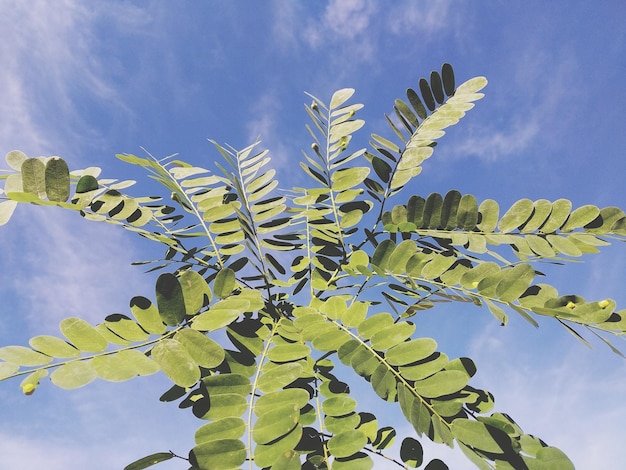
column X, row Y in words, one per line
column 86, row 80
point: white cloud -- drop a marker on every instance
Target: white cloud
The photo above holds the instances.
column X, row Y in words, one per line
column 426, row 17
column 49, row 58
column 61, row 266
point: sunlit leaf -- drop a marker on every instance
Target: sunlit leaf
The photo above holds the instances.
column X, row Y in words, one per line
column 176, row 363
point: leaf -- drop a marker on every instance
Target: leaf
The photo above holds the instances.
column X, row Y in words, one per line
column 175, row 362
column 57, row 180
column 347, row 178
column 170, row 301
column 73, row 375
column 339, row 405
column 266, row 455
column 125, row 328
column 478, row 435
column 23, row 356
column 442, row 383
column 410, row 351
column 279, row 376
column 203, row 350
column 33, row 177
column 297, row 397
column 347, row 443
column 82, row 335
column 382, row 254
column 196, row 292
column 53, row 346
column 86, row 183
column 224, row 283
column 519, row 213
column 149, row 461
column 221, row 314
column 147, row 315
column 6, row 211
column 447, row 76
column 340, row 97
column 221, row 454
column 290, row 352
column 411, row 452
column 226, row 428
column 275, row 424
column 15, row 159
column 551, row 458
column 123, row 365
column 514, row 282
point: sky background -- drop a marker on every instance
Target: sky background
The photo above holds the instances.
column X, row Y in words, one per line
column 86, row 80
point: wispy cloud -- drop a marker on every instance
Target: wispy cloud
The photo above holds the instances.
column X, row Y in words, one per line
column 50, row 65
column 66, row 266
column 426, row 17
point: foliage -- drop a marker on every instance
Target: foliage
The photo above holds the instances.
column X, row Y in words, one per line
column 306, row 293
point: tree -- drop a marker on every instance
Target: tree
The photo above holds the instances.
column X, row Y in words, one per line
column 266, row 300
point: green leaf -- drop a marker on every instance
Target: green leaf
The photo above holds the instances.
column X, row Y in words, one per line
column 340, row 97
column 447, row 76
column 224, row 283
column 467, row 213
column 57, row 180
column 519, row 213
column 23, row 356
column 82, row 335
column 478, row 435
column 53, row 346
column 514, row 282
column 175, row 362
column 279, row 376
column 392, row 335
column 147, row 315
column 347, row 443
column 226, row 428
column 33, row 177
column 7, row 369
column 196, row 292
column 170, row 301
column 560, row 212
column 267, row 455
column 149, row 461
column 123, row 365
column 442, row 383
column 489, row 213
column 221, row 454
column 86, row 183
column 203, row 350
column 221, row 314
column 411, row 351
column 382, row 254
column 551, row 458
column 73, row 375
column 347, row 178
column 411, row 452
column 125, row 328
column 275, row 424
column 297, row 397
column 288, row 352
column 339, row 405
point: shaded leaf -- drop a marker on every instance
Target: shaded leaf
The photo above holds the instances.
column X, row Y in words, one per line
column 149, row 461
